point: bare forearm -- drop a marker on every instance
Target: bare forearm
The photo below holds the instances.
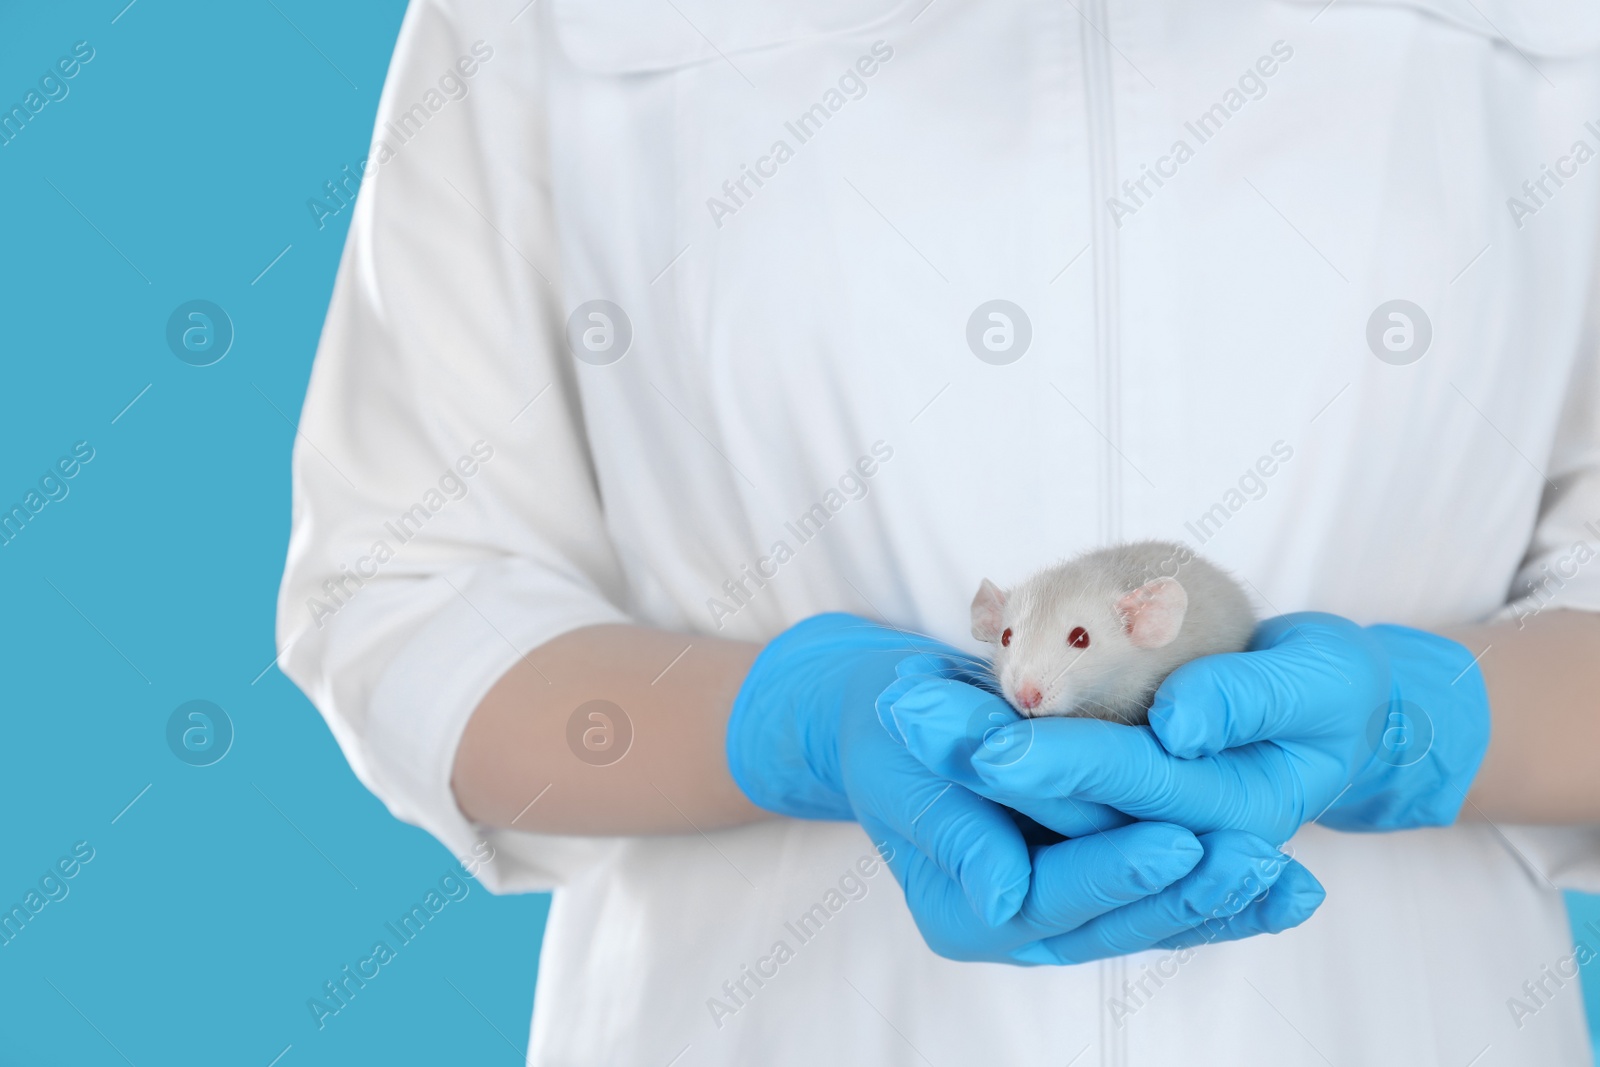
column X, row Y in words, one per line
column 1544, row 699
column 540, row 754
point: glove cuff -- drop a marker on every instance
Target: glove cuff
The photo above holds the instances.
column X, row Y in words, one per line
column 783, row 733
column 775, row 733
column 1426, row 743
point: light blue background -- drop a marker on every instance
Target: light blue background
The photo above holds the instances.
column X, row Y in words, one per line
column 177, row 168
column 208, row 917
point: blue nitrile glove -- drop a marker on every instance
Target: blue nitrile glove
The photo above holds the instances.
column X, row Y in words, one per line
column 804, row 740
column 1148, row 885
column 1376, row 728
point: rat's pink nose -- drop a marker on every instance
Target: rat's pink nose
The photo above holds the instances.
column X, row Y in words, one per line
column 1029, row 696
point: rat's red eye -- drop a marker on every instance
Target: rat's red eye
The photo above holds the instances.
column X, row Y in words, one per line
column 1005, row 637
column 1078, row 638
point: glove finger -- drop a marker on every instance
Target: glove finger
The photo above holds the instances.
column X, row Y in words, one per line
column 943, row 722
column 1283, row 689
column 1065, row 896
column 1076, row 881
column 915, row 669
column 940, row 909
column 946, row 723
column 971, row 840
column 1237, row 867
column 1053, row 769
column 974, row 841
column 1287, row 904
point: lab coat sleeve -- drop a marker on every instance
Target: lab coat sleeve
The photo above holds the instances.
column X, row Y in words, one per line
column 445, row 515
column 1562, row 570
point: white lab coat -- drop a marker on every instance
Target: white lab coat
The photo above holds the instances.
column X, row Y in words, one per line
column 1198, row 368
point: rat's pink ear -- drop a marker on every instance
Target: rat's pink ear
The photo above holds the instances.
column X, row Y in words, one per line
column 1153, row 613
column 988, row 612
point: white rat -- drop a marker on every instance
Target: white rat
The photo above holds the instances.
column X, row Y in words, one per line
column 1095, row 636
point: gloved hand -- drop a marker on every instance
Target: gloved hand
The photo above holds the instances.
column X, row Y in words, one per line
column 804, row 740
column 1376, row 728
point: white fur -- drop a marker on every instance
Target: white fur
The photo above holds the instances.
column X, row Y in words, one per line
column 1124, row 597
